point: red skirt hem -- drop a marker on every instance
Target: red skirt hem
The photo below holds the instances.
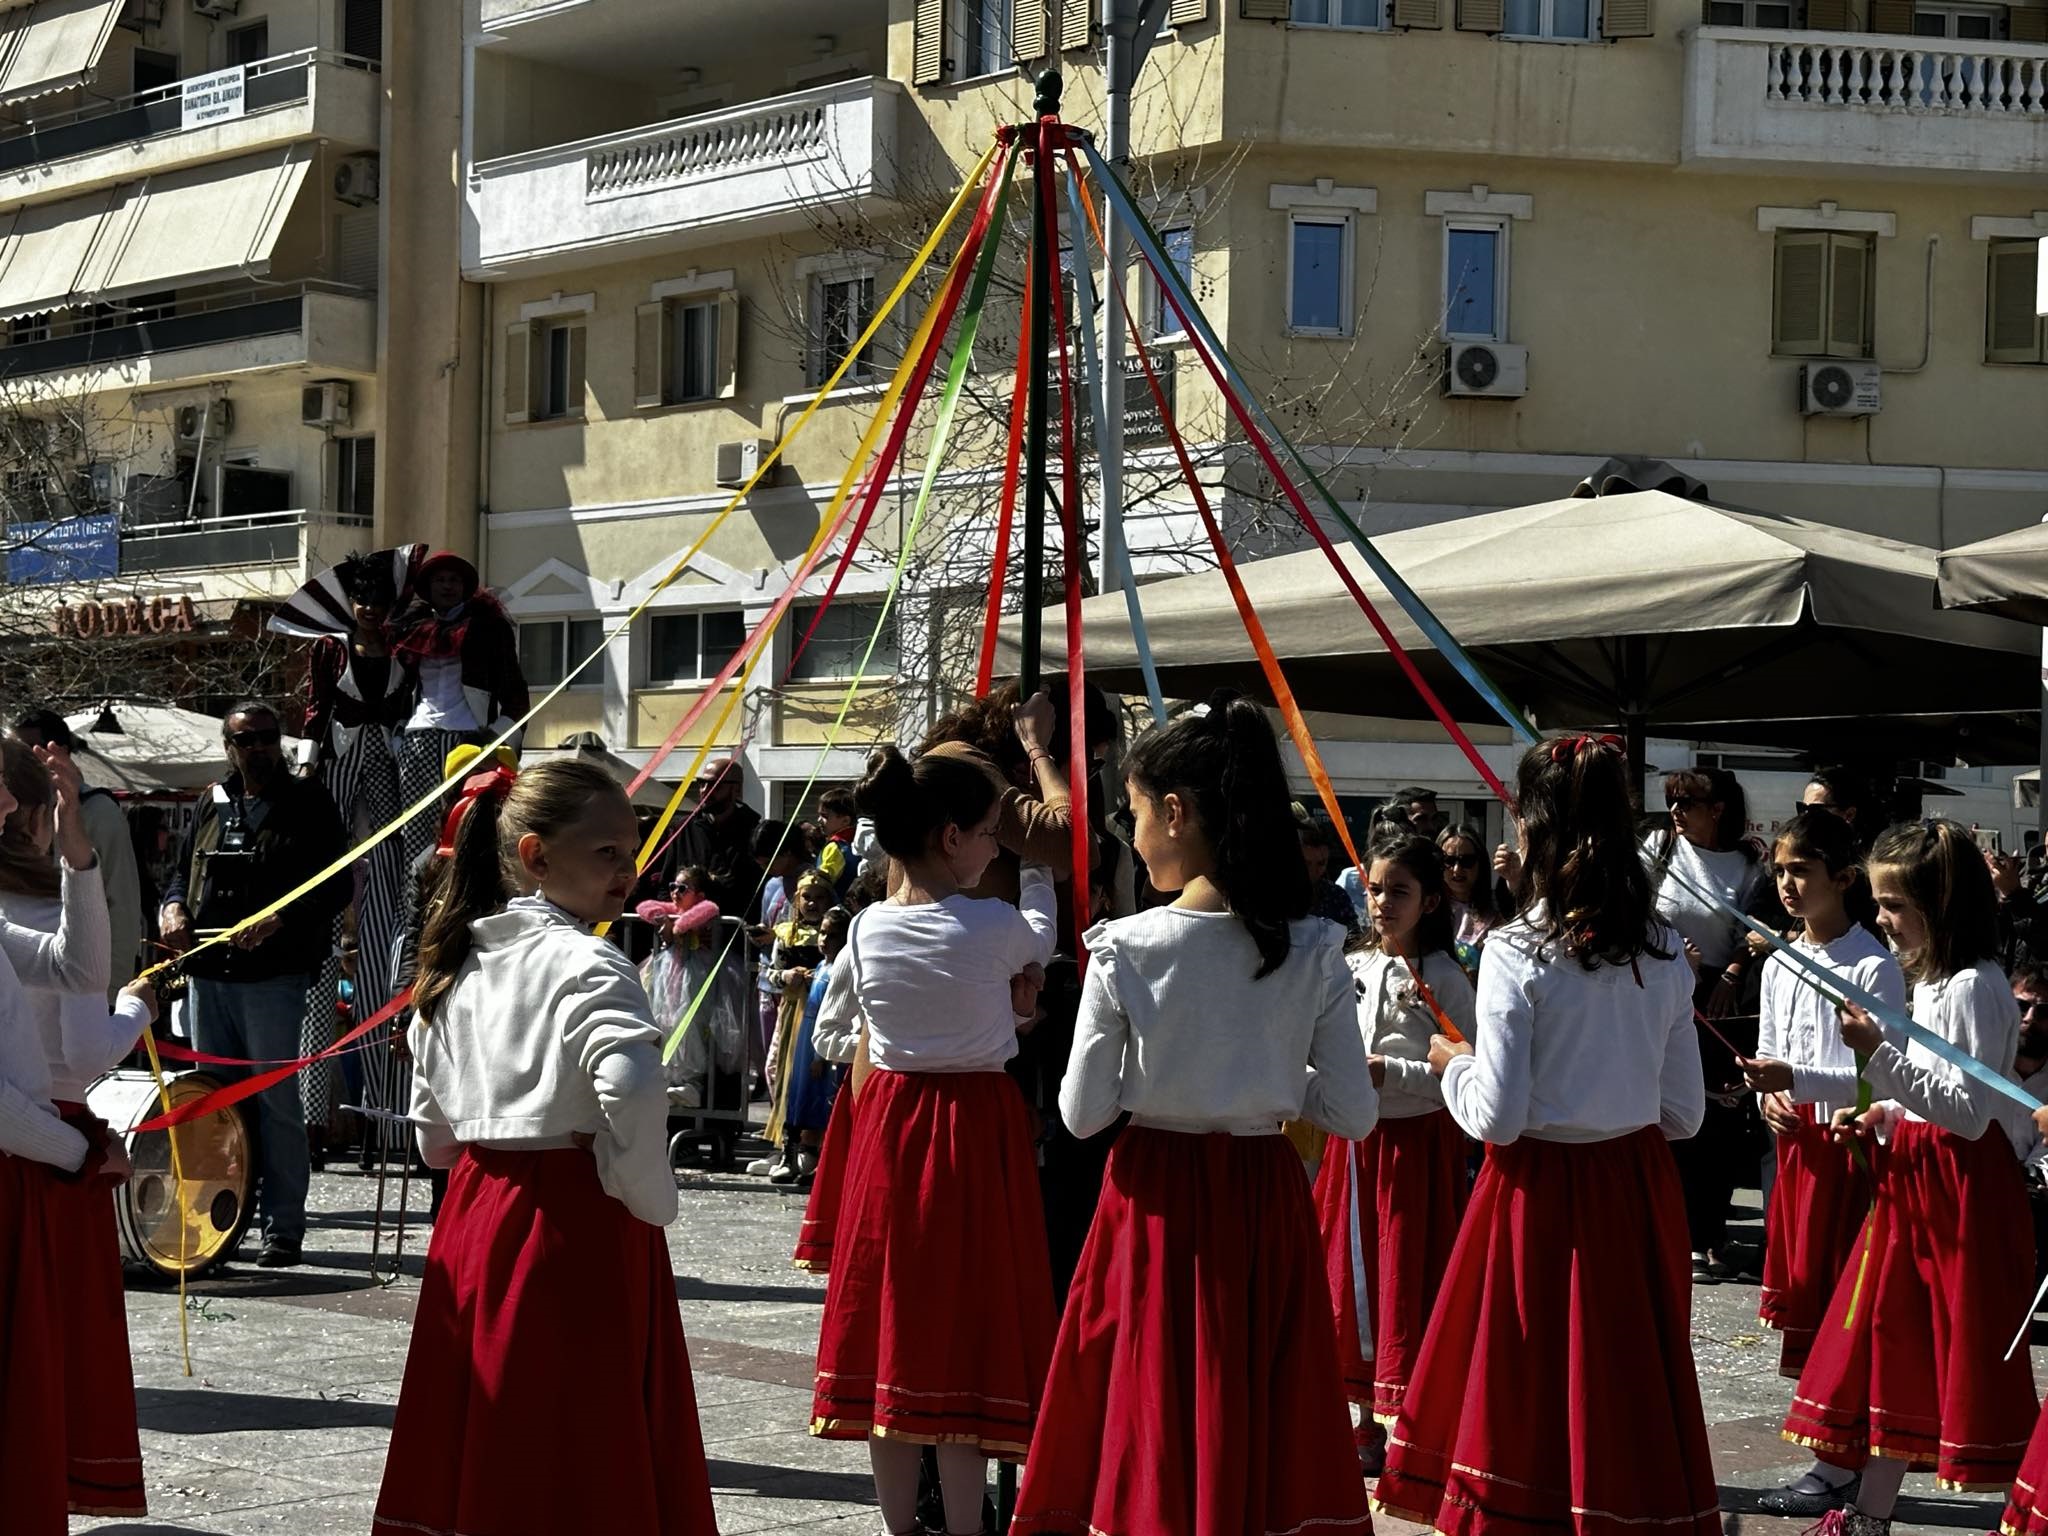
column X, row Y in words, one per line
column 1909, row 1363
column 547, row 1339
column 828, row 1188
column 34, row 1448
column 939, row 1176
column 2026, row 1507
column 1818, row 1204
column 1555, row 1388
column 1195, row 1388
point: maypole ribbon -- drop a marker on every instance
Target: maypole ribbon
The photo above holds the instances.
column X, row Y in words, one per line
column 768, row 461
column 1084, row 274
column 1006, row 513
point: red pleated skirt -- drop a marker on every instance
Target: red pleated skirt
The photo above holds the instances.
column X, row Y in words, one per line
column 1916, row 1371
column 33, row 1489
column 103, row 1451
column 1409, row 1175
column 828, row 1181
column 938, row 1318
column 2026, row 1504
column 1818, row 1205
column 548, row 1386
column 1555, row 1388
column 1195, row 1387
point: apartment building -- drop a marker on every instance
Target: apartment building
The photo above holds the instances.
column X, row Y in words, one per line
column 195, row 350
column 1469, row 248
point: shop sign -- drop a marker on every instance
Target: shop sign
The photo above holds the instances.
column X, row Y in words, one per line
column 128, row 616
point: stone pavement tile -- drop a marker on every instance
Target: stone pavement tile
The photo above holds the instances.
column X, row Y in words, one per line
column 754, row 1362
column 325, row 1514
column 715, row 1392
column 194, row 1492
column 359, row 1471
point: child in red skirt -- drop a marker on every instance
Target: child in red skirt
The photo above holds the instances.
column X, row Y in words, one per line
column 2026, row 1502
column 52, row 1167
column 1909, row 1368
column 835, row 1039
column 938, row 1318
column 1803, row 1073
column 1389, row 1205
column 1555, row 1389
column 1195, row 1386
column 548, row 1387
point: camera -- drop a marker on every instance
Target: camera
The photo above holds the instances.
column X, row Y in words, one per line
column 226, row 869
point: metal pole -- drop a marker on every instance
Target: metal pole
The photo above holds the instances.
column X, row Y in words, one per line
column 1119, row 29
column 1045, row 271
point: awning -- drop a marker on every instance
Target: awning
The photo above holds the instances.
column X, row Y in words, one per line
column 52, row 45
column 204, row 224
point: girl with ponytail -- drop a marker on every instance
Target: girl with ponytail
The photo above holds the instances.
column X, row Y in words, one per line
column 938, row 1318
column 539, row 1083
column 1197, row 1334
column 1567, row 1305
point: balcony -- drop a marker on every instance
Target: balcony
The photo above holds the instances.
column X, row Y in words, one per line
column 1769, row 100
column 321, row 328
column 771, row 165
column 293, row 545
column 309, row 94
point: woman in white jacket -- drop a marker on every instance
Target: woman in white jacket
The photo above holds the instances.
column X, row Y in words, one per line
column 548, row 1387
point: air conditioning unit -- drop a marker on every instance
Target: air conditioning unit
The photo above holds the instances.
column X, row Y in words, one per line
column 739, row 462
column 1486, row 370
column 1840, row 389
column 325, row 404
column 356, row 179
column 215, row 8
column 193, row 420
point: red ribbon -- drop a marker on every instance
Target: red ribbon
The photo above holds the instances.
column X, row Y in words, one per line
column 1575, row 746
column 984, row 673
column 495, row 782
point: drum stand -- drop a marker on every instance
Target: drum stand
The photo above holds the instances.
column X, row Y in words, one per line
column 390, row 1127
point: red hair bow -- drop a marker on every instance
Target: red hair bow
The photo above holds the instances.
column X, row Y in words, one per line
column 496, row 782
column 1573, row 746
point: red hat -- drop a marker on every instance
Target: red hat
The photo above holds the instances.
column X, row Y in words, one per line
column 447, row 557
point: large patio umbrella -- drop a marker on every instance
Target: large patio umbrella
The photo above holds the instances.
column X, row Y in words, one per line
column 589, row 747
column 2006, row 575
column 1636, row 611
column 160, row 742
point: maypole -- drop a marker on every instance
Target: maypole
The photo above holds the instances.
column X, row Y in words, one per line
column 1042, row 140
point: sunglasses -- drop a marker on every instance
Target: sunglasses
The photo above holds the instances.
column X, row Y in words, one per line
column 2029, row 1006
column 269, row 736
column 1682, row 803
column 1461, row 861
column 1815, row 805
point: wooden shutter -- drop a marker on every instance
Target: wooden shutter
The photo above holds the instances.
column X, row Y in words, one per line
column 1265, row 10
column 1625, row 18
column 1187, row 13
column 2012, row 331
column 579, row 338
column 1827, row 15
column 2027, row 23
column 1028, row 30
column 1797, row 323
column 1484, row 15
column 1418, row 13
column 928, row 43
column 519, row 371
column 1074, row 19
column 728, row 345
column 1849, row 304
column 1891, row 16
column 650, row 355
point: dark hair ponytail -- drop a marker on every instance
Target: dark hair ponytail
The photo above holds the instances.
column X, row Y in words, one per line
column 1225, row 762
column 1824, row 837
column 910, row 802
column 1582, row 864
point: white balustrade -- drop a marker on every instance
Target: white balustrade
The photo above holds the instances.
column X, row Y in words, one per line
column 1823, row 70
column 776, row 133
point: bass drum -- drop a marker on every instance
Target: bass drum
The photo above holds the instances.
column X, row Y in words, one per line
column 168, row 1227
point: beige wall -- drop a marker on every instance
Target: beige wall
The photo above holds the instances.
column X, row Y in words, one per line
column 524, row 104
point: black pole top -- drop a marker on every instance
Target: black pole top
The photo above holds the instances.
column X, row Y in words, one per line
column 1049, row 86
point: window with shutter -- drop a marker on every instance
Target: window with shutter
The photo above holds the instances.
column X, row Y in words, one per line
column 1418, row 13
column 2027, row 23
column 1075, row 16
column 1799, row 312
column 1263, row 10
column 1481, row 15
column 1891, row 16
column 1187, row 13
column 362, row 28
column 1625, row 18
column 2012, row 331
column 355, row 476
column 693, row 350
column 928, row 47
column 1848, row 296
column 650, row 355
column 559, row 361
column 355, row 248
column 519, row 371
column 728, row 377
column 1028, row 29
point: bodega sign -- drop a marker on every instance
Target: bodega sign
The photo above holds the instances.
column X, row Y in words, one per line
column 128, row 616
column 215, row 98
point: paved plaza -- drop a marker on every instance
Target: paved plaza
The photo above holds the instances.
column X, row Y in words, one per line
column 283, row 1426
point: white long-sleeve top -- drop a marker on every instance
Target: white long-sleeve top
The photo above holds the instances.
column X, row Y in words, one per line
column 72, row 956
column 1562, row 1053
column 82, row 1037
column 546, row 1034
column 1734, row 875
column 1396, row 1024
column 1801, row 1026
column 932, row 980
column 1974, row 1009
column 835, row 1036
column 1177, row 1027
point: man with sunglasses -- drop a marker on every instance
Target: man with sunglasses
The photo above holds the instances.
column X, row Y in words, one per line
column 256, row 835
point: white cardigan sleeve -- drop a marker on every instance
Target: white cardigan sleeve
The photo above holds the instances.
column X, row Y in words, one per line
column 1091, row 1092
column 1977, row 1012
column 835, row 1037
column 77, row 957
column 1487, row 1092
column 611, row 1033
column 1340, row 1096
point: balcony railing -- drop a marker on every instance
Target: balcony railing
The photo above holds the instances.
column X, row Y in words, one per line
column 1761, row 99
column 273, row 82
column 679, row 183
column 237, row 315
column 264, row 538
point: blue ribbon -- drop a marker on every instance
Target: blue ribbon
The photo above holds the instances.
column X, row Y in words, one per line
column 1085, row 276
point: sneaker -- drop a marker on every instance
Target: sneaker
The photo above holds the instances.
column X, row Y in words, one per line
column 279, row 1253
column 806, row 1163
column 761, row 1167
column 1808, row 1497
column 784, row 1172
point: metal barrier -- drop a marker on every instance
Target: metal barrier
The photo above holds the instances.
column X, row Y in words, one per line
column 708, row 1076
